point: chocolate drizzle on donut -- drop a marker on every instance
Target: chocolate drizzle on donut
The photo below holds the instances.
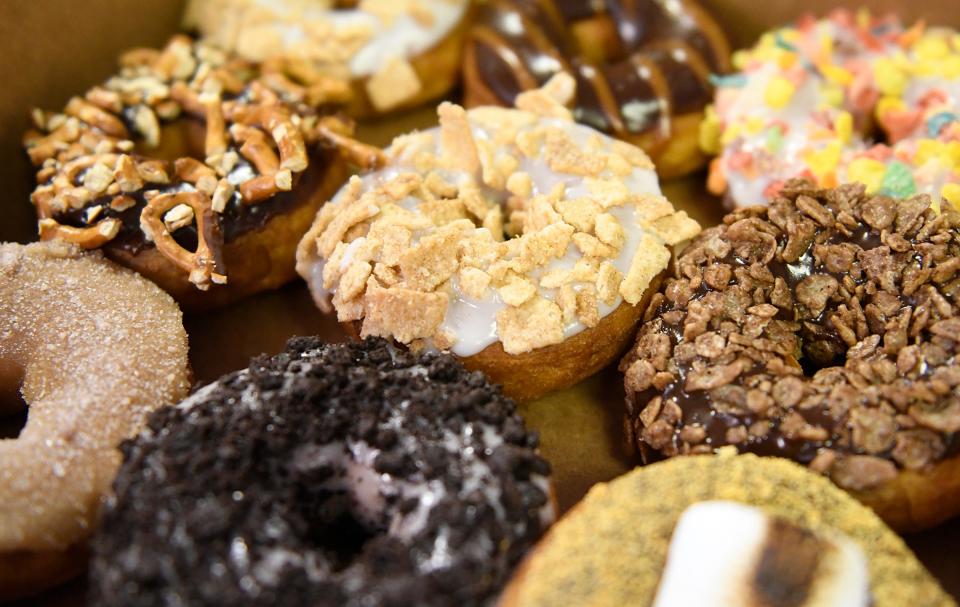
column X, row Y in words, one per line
column 824, row 328
column 646, row 60
column 352, row 474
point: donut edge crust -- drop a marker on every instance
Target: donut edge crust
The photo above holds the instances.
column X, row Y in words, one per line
column 886, row 552
column 259, row 260
column 23, row 574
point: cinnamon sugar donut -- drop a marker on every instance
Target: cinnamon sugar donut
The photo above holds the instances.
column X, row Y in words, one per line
column 614, row 548
column 92, row 348
column 394, row 54
column 824, row 328
column 196, row 169
column 521, row 241
column 643, row 67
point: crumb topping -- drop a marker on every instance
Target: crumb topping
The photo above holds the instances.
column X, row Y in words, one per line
column 528, row 224
column 823, row 328
column 258, row 124
column 349, row 474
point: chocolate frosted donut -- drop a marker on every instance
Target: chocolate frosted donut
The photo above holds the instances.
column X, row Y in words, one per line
column 824, row 329
column 642, row 66
column 354, row 474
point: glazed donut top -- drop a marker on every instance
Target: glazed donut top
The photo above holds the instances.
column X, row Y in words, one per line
column 822, row 329
column 807, row 97
column 350, row 474
column 417, row 251
column 611, row 548
column 647, row 61
column 97, row 186
column 93, row 348
column 348, row 40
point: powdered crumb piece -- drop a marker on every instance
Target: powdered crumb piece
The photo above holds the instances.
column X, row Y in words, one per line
column 431, row 261
column 474, row 282
column 579, row 212
column 565, row 156
column 393, row 85
column 650, row 259
column 535, row 324
column 517, row 291
column 609, row 230
column 404, row 314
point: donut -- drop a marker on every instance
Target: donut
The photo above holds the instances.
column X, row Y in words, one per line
column 823, row 328
column 847, row 98
column 643, row 67
column 521, row 241
column 617, row 544
column 393, row 54
column 350, row 474
column 92, row 348
column 191, row 167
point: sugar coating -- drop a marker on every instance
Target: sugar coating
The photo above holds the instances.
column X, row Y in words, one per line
column 612, row 547
column 100, row 347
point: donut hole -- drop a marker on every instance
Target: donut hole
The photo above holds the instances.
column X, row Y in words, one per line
column 13, row 408
column 337, row 528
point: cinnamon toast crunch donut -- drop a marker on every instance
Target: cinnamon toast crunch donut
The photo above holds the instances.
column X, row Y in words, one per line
column 196, row 169
column 824, row 328
column 643, row 67
column 394, row 54
column 92, row 348
column 519, row 240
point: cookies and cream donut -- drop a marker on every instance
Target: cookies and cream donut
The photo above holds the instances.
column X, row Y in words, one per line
column 92, row 348
column 393, row 53
column 192, row 167
column 643, row 67
column 351, row 474
column 626, row 543
column 823, row 328
column 519, row 240
column 851, row 97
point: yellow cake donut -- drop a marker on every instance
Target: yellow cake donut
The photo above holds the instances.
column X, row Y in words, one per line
column 93, row 348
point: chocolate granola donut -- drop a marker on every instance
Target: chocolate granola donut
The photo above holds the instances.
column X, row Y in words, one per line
column 355, row 474
column 824, row 328
column 194, row 168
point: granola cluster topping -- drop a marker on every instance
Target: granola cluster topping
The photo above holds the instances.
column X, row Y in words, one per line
column 824, row 328
column 98, row 184
column 373, row 39
column 517, row 226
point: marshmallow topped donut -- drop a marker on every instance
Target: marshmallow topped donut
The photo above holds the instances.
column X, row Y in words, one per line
column 513, row 238
column 837, row 100
column 395, row 53
column 92, row 348
column 197, row 169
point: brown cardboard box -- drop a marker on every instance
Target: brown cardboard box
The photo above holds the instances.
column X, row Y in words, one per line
column 52, row 49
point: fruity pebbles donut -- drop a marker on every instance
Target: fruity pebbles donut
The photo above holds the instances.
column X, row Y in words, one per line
column 352, row 474
column 519, row 240
column 809, row 99
column 92, row 348
column 824, row 328
column 196, row 169
column 393, row 54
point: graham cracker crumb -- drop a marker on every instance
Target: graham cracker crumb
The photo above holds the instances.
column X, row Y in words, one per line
column 535, row 324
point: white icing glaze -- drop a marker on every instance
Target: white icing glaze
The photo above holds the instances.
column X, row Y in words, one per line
column 404, row 37
column 474, row 322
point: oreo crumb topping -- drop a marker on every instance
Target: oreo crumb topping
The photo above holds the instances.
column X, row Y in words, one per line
column 823, row 328
column 349, row 474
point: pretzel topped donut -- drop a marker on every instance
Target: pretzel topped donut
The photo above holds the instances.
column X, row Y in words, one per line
column 97, row 187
